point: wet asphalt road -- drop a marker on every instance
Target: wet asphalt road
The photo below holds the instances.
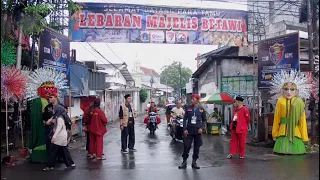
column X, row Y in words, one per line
column 158, row 158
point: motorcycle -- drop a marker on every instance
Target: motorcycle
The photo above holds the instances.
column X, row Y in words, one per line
column 152, row 123
column 178, row 133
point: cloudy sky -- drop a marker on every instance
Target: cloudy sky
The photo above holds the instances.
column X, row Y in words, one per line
column 152, row 56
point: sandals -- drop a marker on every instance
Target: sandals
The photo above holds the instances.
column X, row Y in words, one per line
column 230, row 156
column 47, row 169
column 101, row 158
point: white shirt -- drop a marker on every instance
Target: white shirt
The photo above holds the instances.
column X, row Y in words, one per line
column 178, row 112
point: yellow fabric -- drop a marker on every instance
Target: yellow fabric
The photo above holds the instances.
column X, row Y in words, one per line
column 44, row 103
column 278, row 129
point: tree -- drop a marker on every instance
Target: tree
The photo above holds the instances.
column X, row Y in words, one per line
column 171, row 75
column 143, row 95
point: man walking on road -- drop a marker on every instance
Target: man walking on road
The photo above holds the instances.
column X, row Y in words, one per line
column 127, row 118
column 193, row 125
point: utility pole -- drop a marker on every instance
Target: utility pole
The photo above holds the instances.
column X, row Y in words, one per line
column 310, row 17
column 315, row 27
column 310, row 35
column 19, row 49
column 167, row 89
column 180, row 80
column 151, row 83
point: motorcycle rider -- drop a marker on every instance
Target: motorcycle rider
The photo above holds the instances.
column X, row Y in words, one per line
column 154, row 109
column 177, row 112
column 194, row 122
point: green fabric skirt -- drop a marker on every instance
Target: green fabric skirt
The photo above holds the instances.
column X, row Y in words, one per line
column 284, row 146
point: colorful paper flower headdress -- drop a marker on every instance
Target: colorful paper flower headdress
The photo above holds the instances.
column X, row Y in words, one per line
column 41, row 76
column 300, row 79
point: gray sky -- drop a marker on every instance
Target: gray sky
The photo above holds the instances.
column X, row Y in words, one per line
column 153, row 56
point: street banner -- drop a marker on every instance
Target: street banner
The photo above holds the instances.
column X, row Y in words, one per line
column 276, row 54
column 127, row 23
column 54, row 52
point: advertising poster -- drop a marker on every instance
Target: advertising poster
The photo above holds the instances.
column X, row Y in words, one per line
column 54, row 52
column 126, row 23
column 276, row 54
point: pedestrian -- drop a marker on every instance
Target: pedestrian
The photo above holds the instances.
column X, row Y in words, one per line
column 68, row 130
column 239, row 129
column 85, row 120
column 194, row 123
column 59, row 141
column 47, row 117
column 127, row 120
column 97, row 122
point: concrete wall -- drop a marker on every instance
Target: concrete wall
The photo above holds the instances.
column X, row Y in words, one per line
column 207, row 83
column 114, row 99
column 236, row 67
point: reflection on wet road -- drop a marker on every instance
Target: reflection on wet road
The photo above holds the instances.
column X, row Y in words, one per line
column 158, row 158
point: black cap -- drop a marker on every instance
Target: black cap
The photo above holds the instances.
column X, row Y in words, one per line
column 127, row 95
column 239, row 99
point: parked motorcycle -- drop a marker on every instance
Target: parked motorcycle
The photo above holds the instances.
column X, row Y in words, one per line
column 178, row 133
column 152, row 123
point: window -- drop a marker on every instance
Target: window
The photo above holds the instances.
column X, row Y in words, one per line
column 239, row 85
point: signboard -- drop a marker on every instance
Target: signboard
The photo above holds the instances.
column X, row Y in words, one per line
column 54, row 52
column 276, row 54
column 127, row 23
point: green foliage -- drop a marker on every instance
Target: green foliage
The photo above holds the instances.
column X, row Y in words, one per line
column 143, row 95
column 163, row 100
column 170, row 74
column 8, row 53
column 34, row 18
column 72, row 6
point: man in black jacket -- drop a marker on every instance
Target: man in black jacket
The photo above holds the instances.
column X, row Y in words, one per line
column 47, row 115
column 194, row 122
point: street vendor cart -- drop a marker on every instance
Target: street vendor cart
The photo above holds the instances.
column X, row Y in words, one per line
column 215, row 120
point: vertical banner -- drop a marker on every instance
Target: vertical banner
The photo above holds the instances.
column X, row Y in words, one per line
column 276, row 54
column 128, row 23
column 54, row 52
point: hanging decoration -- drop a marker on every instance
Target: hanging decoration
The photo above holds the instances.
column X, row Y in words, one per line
column 40, row 77
column 13, row 84
column 8, row 53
